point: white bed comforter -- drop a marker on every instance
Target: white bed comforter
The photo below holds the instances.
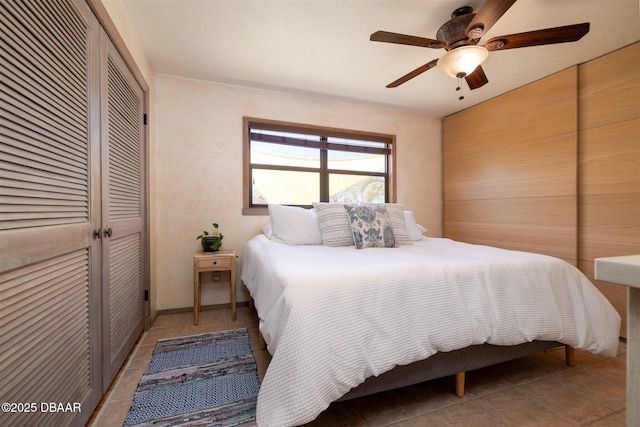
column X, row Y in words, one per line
column 331, row 317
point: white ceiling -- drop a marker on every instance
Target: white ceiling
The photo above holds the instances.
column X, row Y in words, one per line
column 322, row 47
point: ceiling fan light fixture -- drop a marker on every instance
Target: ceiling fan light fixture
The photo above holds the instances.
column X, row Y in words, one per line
column 463, row 60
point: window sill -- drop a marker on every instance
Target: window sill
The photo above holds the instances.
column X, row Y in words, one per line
column 255, row 211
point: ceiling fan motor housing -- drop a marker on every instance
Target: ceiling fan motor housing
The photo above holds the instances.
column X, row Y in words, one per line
column 463, row 10
column 452, row 32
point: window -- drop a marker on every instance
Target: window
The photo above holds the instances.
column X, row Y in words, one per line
column 297, row 165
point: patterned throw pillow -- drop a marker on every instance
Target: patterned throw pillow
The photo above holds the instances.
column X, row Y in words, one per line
column 398, row 222
column 371, row 226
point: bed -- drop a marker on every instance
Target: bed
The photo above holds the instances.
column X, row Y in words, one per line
column 342, row 322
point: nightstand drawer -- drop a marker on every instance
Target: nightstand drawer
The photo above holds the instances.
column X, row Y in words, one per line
column 217, row 262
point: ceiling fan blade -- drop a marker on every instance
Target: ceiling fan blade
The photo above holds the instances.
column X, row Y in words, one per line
column 488, row 15
column 568, row 33
column 413, row 74
column 477, row 79
column 387, row 37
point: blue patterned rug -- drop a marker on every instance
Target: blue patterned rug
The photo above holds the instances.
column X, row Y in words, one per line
column 200, row 380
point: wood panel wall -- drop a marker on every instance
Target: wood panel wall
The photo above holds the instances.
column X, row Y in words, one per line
column 553, row 167
column 510, row 172
column 609, row 164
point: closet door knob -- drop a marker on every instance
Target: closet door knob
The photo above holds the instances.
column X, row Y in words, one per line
column 108, row 232
column 97, row 234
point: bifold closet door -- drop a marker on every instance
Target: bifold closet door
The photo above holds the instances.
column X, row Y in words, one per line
column 50, row 261
column 122, row 210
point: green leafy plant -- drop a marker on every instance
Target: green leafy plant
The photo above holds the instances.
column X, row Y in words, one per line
column 211, row 242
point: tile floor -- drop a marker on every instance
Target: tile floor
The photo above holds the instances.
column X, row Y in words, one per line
column 538, row 390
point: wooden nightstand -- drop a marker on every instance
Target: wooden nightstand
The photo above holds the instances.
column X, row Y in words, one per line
column 213, row 261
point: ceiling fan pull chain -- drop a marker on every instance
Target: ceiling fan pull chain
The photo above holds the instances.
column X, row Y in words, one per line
column 459, row 89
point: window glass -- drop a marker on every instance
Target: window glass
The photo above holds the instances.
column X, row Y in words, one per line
column 285, row 187
column 284, row 155
column 299, row 164
column 348, row 161
column 356, row 189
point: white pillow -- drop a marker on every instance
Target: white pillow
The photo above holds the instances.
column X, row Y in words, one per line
column 294, row 225
column 414, row 229
column 266, row 230
column 334, row 224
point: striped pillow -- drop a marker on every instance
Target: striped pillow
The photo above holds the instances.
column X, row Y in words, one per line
column 334, row 224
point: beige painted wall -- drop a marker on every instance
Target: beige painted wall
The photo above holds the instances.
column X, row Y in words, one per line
column 198, row 169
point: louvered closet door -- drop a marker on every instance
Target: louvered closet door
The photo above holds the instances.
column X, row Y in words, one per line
column 49, row 260
column 123, row 211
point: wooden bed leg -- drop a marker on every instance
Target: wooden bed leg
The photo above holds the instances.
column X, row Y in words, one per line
column 460, row 384
column 248, row 295
column 263, row 344
column 569, row 354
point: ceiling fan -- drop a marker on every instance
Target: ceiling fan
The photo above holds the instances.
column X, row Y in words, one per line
column 460, row 36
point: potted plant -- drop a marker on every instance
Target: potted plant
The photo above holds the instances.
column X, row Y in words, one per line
column 211, row 242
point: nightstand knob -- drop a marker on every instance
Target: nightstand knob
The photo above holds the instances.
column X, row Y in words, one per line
column 215, row 262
